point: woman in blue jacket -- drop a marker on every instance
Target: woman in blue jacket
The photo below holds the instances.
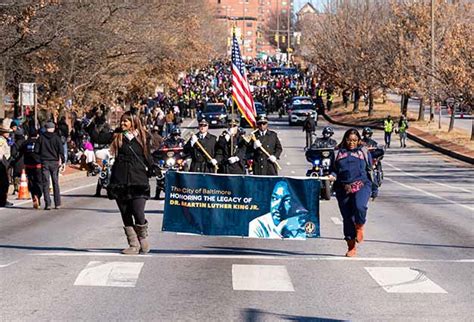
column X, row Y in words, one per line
column 353, row 187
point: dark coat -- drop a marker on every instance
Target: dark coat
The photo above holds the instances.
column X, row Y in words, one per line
column 49, row 147
column 261, row 164
column 129, row 178
column 199, row 162
column 309, row 124
column 223, row 151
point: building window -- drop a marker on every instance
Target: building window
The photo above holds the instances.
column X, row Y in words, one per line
column 249, row 24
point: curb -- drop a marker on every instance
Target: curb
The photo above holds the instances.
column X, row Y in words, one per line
column 452, row 154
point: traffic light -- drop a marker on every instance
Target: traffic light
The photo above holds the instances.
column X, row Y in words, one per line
column 298, row 40
column 276, row 37
column 283, row 39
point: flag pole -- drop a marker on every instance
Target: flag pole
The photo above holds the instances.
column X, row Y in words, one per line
column 233, row 102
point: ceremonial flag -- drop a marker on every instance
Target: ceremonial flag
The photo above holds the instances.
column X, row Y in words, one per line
column 240, row 86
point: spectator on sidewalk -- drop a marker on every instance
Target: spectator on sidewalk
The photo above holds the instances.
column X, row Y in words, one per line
column 50, row 149
column 4, row 162
column 63, row 131
column 388, row 129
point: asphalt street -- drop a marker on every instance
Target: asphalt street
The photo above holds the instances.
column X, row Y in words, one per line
column 416, row 263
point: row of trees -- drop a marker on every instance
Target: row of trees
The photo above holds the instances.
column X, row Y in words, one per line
column 380, row 45
column 94, row 51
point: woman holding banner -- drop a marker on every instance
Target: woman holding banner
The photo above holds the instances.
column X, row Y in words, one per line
column 129, row 186
column 353, row 187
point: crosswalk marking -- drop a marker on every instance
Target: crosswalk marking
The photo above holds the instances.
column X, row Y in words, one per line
column 261, row 278
column 118, row 274
column 336, row 220
column 403, row 280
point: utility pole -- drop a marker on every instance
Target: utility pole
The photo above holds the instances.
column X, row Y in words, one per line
column 432, row 60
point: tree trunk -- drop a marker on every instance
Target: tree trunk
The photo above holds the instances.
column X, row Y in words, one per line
column 371, row 102
column 384, row 95
column 356, row 106
column 421, row 112
column 472, row 131
column 451, row 120
column 405, row 104
column 402, row 99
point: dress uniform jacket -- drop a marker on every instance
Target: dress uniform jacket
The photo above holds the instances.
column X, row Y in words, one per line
column 199, row 161
column 271, row 143
column 224, row 153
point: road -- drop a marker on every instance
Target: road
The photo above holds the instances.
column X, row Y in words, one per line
column 464, row 124
column 416, row 263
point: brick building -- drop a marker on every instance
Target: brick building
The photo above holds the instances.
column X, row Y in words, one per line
column 251, row 18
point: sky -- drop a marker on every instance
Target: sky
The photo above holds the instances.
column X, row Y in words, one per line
column 318, row 4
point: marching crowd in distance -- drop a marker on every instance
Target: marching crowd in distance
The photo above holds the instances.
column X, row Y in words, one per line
column 150, row 130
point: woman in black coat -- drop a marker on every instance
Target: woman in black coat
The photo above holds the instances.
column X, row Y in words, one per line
column 129, row 186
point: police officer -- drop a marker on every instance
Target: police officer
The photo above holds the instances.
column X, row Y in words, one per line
column 367, row 138
column 200, row 162
column 174, row 140
column 325, row 141
column 231, row 148
column 402, row 131
column 268, row 140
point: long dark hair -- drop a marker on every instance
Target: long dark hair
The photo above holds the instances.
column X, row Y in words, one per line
column 136, row 126
column 349, row 132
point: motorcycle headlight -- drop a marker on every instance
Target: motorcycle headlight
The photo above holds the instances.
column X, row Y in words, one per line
column 103, row 175
column 326, row 162
column 170, row 162
column 316, row 162
column 326, row 154
column 161, row 163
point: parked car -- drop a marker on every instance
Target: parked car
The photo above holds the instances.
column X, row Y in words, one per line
column 214, row 113
column 299, row 108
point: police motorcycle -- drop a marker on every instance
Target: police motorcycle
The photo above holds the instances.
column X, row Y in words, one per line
column 377, row 152
column 321, row 156
column 169, row 157
column 105, row 170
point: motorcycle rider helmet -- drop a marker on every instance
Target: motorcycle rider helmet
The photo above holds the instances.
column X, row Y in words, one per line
column 176, row 131
column 367, row 132
column 328, row 132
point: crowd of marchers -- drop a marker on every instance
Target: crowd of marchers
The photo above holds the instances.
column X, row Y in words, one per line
column 148, row 141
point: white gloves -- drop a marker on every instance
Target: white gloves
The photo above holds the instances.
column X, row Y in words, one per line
column 214, row 162
column 194, row 139
column 257, row 144
column 272, row 159
column 227, row 137
column 233, row 160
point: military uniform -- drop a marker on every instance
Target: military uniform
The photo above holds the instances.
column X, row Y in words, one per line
column 261, row 163
column 228, row 152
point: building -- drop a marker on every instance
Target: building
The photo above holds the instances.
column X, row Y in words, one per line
column 251, row 19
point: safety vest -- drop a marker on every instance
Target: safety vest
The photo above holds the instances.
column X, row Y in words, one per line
column 388, row 125
column 330, row 97
column 321, row 92
column 403, row 126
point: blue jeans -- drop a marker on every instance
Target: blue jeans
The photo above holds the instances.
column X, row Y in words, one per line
column 353, row 209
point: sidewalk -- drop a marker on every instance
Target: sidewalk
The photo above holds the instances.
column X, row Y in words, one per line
column 345, row 117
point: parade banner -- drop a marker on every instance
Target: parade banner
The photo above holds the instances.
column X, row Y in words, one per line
column 236, row 205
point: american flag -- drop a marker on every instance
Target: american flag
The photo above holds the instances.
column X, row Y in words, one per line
column 240, row 85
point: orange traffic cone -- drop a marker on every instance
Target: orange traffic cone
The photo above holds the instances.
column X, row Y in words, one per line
column 23, row 193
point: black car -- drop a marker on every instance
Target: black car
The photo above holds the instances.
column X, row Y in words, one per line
column 214, row 113
column 259, row 108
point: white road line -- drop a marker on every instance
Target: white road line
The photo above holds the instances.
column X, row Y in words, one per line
column 62, row 194
column 429, row 194
column 336, row 221
column 428, row 180
column 9, row 264
column 260, row 257
column 403, row 280
column 261, row 278
column 118, row 274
